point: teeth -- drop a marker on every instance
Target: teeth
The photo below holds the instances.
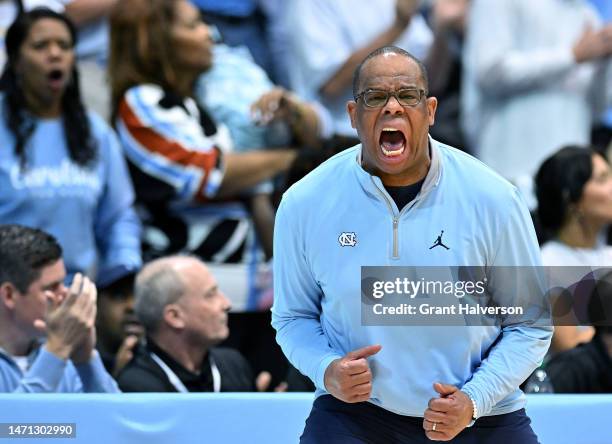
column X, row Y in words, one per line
column 392, row 153
column 389, row 129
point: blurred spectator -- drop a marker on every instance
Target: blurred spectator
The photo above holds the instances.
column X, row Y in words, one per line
column 194, row 191
column 588, row 367
column 118, row 327
column 534, row 80
column 277, row 36
column 329, row 39
column 185, row 315
column 47, row 332
column 257, row 114
column 180, row 160
column 602, row 133
column 90, row 18
column 241, row 23
column 447, row 20
column 62, row 170
column 574, row 192
column 9, row 9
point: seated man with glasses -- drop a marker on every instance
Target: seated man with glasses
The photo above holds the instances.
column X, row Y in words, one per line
column 401, row 198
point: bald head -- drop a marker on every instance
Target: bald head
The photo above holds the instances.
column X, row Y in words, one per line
column 162, row 282
column 167, row 263
column 386, row 50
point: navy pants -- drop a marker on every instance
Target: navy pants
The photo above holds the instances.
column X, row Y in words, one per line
column 332, row 421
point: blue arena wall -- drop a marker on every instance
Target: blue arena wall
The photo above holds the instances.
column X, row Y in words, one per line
column 268, row 418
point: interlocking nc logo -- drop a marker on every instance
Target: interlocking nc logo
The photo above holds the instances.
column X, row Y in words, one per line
column 348, row 239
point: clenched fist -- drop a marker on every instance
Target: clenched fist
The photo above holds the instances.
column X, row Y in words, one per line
column 349, row 378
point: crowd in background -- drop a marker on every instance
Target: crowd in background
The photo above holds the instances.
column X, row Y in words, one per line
column 152, row 139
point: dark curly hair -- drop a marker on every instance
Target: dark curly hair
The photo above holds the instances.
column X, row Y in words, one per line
column 81, row 146
column 559, row 184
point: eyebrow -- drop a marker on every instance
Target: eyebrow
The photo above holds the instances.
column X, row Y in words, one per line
column 46, row 39
column 211, row 290
column 52, row 284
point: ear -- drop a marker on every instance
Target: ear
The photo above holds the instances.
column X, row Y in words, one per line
column 174, row 316
column 8, row 294
column 351, row 107
column 432, row 105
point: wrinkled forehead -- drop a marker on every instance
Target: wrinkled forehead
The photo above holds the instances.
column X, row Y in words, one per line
column 390, row 71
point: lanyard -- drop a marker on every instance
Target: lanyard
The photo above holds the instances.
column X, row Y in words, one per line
column 178, row 384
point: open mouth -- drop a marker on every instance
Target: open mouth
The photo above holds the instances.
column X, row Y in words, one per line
column 131, row 326
column 392, row 142
column 55, row 76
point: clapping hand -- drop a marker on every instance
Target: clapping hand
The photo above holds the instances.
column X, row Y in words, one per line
column 70, row 321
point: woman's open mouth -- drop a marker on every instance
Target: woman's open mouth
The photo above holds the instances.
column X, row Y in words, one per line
column 56, row 78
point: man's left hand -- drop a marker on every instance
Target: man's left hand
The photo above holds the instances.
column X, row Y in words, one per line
column 451, row 413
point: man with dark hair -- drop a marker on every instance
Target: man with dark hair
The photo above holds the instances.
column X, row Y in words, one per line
column 117, row 326
column 389, row 50
column 47, row 332
column 384, row 203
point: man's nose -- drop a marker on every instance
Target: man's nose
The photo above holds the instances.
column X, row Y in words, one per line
column 61, row 292
column 393, row 106
column 129, row 304
column 226, row 303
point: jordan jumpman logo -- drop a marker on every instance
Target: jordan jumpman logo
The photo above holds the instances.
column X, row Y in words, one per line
column 439, row 243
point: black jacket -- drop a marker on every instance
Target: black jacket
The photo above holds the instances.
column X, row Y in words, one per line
column 584, row 369
column 143, row 374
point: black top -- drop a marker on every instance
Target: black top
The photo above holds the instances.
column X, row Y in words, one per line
column 584, row 369
column 143, row 374
column 403, row 195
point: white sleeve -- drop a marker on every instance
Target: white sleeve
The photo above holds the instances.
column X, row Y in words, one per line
column 492, row 52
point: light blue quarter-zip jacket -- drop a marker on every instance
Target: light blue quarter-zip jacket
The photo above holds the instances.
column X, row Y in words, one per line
column 49, row 374
column 317, row 278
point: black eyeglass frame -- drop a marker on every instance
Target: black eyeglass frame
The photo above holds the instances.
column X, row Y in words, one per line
column 422, row 94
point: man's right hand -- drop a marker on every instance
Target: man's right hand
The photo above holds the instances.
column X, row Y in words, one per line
column 70, row 320
column 349, row 378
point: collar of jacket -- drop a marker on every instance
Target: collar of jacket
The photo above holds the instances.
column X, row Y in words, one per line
column 432, row 179
column 36, row 346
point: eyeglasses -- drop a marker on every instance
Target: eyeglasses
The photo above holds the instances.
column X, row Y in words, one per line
column 373, row 98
